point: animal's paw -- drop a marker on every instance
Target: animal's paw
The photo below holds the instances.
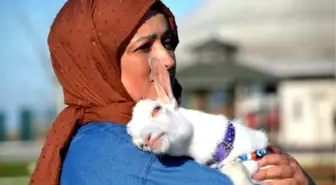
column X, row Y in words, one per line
column 153, row 139
column 236, row 172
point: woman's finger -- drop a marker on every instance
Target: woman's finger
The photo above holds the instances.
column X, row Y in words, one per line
column 276, row 172
column 274, row 159
column 282, row 182
column 274, row 149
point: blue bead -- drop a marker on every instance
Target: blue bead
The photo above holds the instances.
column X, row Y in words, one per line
column 244, row 157
column 261, row 153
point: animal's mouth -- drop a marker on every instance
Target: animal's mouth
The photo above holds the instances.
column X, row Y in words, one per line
column 153, row 142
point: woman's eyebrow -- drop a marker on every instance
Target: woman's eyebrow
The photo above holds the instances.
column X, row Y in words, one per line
column 152, row 36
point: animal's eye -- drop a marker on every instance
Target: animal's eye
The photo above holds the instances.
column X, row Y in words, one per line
column 156, row 111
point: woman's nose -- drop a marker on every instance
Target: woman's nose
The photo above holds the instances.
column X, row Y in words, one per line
column 166, row 57
column 168, row 62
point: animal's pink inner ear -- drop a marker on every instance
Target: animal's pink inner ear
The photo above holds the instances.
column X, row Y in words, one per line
column 161, row 80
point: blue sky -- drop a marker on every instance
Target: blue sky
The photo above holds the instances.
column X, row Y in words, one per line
column 23, row 79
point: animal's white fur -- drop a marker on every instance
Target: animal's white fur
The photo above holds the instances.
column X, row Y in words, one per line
column 196, row 134
column 185, row 132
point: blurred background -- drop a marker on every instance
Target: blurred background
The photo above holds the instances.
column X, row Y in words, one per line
column 270, row 63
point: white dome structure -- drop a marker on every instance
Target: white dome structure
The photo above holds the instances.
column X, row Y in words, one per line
column 271, row 34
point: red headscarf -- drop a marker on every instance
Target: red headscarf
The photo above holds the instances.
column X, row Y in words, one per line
column 86, row 42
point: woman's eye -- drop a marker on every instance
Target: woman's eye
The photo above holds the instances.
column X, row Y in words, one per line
column 168, row 45
column 145, row 47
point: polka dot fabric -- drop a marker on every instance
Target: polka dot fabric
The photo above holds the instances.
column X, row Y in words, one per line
column 86, row 42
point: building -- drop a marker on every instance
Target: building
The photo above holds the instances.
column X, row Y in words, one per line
column 269, row 33
column 217, row 78
column 308, row 113
column 293, row 40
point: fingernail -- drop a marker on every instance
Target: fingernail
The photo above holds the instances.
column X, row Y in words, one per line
column 255, row 175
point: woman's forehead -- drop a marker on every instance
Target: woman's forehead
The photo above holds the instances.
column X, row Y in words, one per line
column 154, row 22
column 150, row 14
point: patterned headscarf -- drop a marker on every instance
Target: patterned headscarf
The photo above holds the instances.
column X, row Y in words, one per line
column 86, row 41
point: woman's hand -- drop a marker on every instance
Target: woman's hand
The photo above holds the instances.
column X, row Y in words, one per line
column 285, row 170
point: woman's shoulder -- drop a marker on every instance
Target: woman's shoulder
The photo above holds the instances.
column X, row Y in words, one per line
column 104, row 150
column 101, row 132
column 106, row 140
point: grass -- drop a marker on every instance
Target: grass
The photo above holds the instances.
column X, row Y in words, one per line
column 15, row 169
column 15, row 173
column 14, row 180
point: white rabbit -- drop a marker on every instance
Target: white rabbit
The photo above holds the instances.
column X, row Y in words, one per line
column 163, row 127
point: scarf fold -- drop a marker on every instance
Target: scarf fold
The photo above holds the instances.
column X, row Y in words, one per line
column 85, row 42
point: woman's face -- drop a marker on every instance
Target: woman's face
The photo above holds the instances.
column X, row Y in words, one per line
column 152, row 39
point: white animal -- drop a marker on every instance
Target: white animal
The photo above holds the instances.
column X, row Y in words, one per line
column 163, row 127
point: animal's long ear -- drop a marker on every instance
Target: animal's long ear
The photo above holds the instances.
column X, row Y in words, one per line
column 161, row 81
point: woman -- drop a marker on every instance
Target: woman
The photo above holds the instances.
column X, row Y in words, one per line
column 99, row 52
